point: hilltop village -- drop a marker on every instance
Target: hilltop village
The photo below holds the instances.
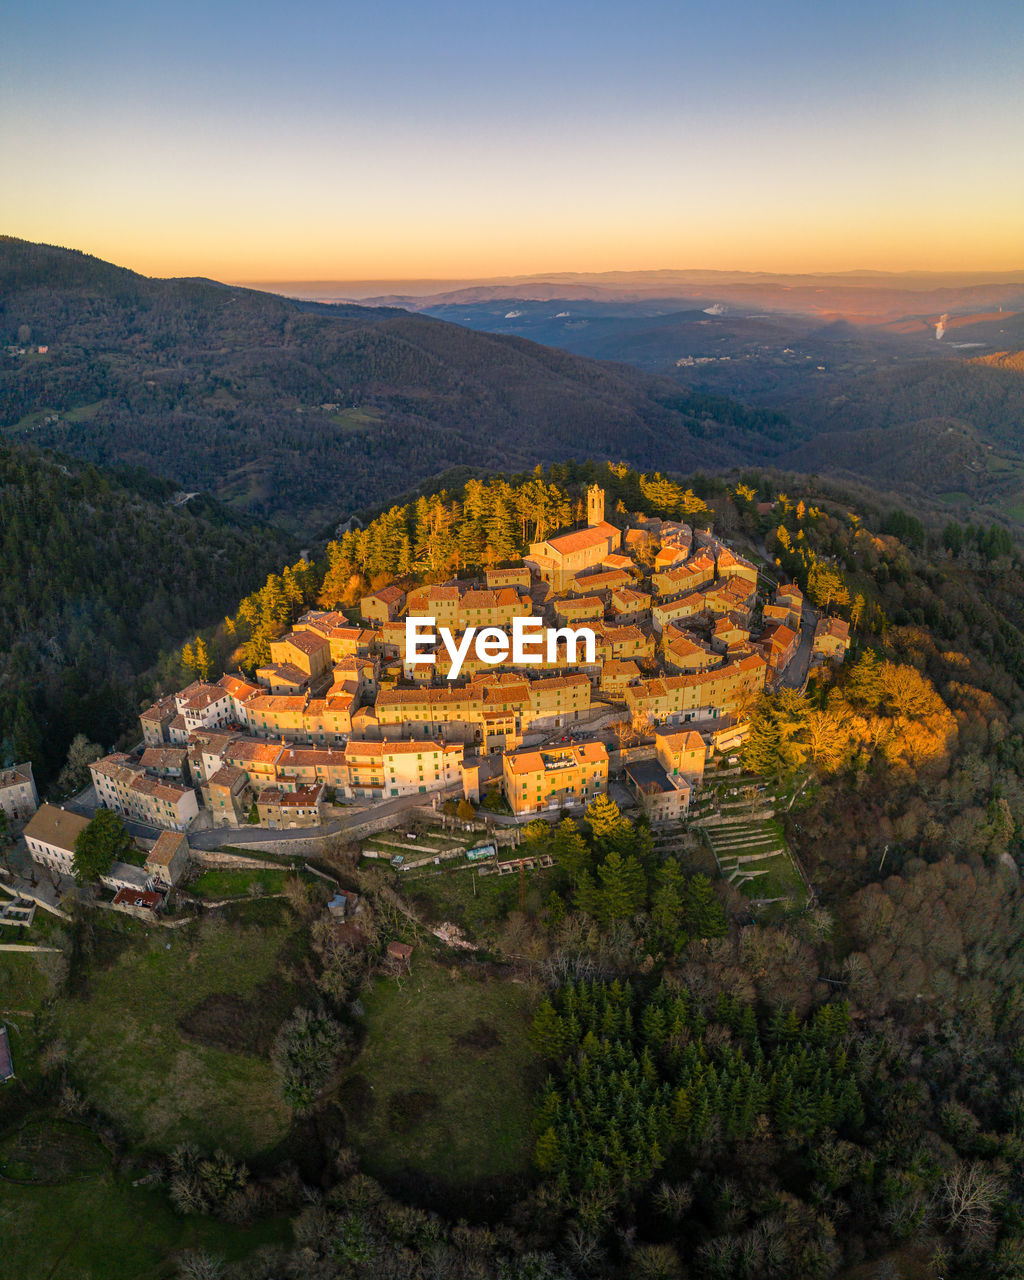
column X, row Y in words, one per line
column 688, row 635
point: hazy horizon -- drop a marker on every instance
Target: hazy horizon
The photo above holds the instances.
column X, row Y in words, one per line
column 425, row 286
column 464, row 142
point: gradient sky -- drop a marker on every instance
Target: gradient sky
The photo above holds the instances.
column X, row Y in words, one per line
column 309, row 140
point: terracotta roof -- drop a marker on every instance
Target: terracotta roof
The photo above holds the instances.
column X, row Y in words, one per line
column 600, row 581
column 619, row 668
column 166, row 848
column 684, row 740
column 837, row 627
column 163, row 758
column 137, row 898
column 560, row 682
column 285, row 672
column 307, row 642
column 662, row 685
column 238, row 686
column 160, row 709
column 276, row 702
column 227, row 776
column 579, row 753
column 387, row 595
column 250, row 749
column 312, row 756
column 16, row 775
column 779, row 633
column 565, row 544
column 198, row 697
column 159, row 790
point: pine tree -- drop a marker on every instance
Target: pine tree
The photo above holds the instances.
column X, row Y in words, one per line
column 623, row 887
column 202, row 659
column 703, row 915
column 548, row 1033
column 188, row 657
column 569, row 849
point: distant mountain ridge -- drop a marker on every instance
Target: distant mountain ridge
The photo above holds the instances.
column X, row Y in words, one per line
column 296, row 411
column 876, row 295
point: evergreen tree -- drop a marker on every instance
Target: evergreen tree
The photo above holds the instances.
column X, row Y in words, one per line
column 99, row 845
column 703, row 915
column 623, row 887
column 202, row 659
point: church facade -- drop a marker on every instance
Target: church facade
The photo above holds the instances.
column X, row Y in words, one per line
column 562, row 558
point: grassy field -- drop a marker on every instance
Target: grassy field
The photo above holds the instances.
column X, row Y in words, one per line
column 169, row 1037
column 237, row 884
column 71, row 1218
column 444, row 1085
column 355, row 419
column 83, row 413
column 477, row 904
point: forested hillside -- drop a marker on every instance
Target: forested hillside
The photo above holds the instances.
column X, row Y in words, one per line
column 879, row 400
column 100, row 573
column 297, row 412
column 824, row 1085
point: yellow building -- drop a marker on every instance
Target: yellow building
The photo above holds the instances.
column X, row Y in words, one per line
column 554, row 777
column 681, row 579
column 675, row 611
column 831, row 638
column 616, row 674
column 682, row 754
column 122, row 784
column 156, row 721
column 574, row 611
column 297, row 660
column 627, row 642
column 279, row 809
column 683, row 653
column 518, row 576
column 558, row 701
column 18, row 796
column 730, row 565
column 168, row 859
column 381, row 769
column 629, row 605
column 50, row 837
column 343, row 638
column 382, row 606
column 699, row 695
column 227, row 796
column 558, row 560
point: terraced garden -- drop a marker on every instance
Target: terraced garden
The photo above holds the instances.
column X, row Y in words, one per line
column 755, row 858
column 736, row 815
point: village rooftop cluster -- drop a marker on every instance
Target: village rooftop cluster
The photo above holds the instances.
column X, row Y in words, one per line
column 684, row 639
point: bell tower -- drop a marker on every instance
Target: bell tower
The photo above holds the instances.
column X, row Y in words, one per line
column 595, row 505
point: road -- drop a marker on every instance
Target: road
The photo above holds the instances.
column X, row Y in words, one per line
column 217, row 836
column 795, row 675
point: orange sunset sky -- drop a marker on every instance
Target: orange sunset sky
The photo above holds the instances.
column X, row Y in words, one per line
column 318, row 141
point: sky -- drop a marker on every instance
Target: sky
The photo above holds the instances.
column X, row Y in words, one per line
column 343, row 141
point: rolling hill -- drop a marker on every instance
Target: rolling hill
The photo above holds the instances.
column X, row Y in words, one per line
column 296, row 411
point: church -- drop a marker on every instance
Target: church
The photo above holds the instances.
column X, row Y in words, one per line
column 560, row 559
